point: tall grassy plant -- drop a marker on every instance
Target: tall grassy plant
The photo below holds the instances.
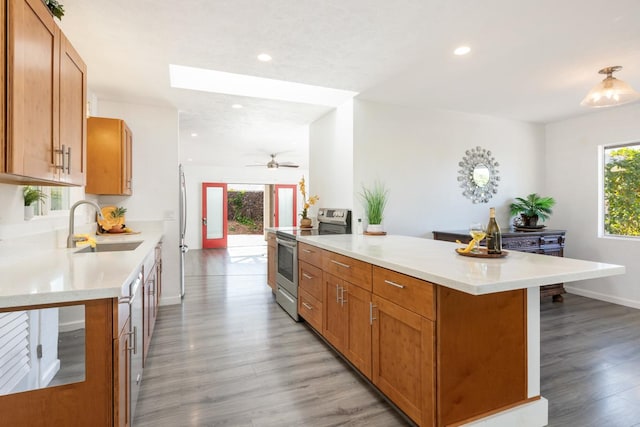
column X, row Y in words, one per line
column 32, row 195
column 375, row 200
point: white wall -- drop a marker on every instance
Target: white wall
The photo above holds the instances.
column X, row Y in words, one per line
column 155, row 179
column 331, row 158
column 196, row 174
column 415, row 153
column 572, row 178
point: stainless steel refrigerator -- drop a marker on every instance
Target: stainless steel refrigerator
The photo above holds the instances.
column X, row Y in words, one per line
column 183, row 226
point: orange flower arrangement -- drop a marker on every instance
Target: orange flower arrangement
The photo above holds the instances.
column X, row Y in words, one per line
column 307, row 203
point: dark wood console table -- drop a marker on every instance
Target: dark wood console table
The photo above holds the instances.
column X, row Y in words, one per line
column 546, row 242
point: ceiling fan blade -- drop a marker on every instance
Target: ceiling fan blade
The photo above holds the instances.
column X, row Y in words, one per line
column 287, row 166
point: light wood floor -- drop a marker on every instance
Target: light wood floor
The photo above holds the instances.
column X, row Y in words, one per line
column 229, row 356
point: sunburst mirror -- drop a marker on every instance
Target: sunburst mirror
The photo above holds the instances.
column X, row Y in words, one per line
column 478, row 175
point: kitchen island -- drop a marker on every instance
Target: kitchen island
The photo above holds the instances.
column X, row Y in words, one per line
column 450, row 340
column 110, row 296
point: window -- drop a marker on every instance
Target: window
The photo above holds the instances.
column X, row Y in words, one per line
column 621, row 190
column 57, row 200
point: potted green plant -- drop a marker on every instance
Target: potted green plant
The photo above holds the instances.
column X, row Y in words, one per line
column 532, row 208
column 375, row 200
column 30, row 196
column 55, row 7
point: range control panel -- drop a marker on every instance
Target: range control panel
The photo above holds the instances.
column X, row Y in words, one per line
column 334, row 216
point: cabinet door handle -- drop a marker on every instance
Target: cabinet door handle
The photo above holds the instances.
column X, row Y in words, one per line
column 337, row 293
column 342, row 300
column 371, row 318
column 389, row 282
column 306, row 276
column 68, row 160
column 135, row 340
column 308, row 307
column 340, row 264
column 61, row 152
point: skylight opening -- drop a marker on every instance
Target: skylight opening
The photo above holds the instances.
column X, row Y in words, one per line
column 183, row 77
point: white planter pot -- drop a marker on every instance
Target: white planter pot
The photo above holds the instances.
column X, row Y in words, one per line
column 374, row 228
column 28, row 212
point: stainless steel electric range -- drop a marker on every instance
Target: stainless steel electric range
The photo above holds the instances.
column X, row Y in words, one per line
column 330, row 221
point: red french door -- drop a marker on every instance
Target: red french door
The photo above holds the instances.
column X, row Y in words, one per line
column 214, row 215
column 286, row 205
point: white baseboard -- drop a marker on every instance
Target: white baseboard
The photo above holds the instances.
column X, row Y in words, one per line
column 602, row 297
column 71, row 326
column 170, row 300
column 532, row 414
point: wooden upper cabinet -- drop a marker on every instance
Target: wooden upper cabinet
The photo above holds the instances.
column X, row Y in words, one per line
column 32, row 90
column 109, row 146
column 45, row 97
column 73, row 113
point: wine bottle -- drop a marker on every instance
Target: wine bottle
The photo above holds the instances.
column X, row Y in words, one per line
column 494, row 236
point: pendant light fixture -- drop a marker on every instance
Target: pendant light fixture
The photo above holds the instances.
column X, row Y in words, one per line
column 610, row 91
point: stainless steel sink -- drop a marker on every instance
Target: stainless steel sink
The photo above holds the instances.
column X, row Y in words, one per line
column 110, row 247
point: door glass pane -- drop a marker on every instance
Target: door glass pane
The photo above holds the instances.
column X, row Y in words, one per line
column 214, row 213
column 285, row 207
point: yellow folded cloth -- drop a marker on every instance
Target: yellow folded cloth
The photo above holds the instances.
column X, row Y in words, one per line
column 86, row 240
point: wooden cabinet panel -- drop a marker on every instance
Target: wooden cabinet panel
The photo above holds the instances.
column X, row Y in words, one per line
column 352, row 270
column 44, row 132
column 408, row 292
column 403, row 356
column 310, row 309
column 335, row 318
column 122, row 383
column 109, row 145
column 271, row 261
column 73, row 122
column 481, row 344
column 357, row 302
column 310, row 279
column 85, row 403
column 310, row 254
column 149, row 309
column 32, row 90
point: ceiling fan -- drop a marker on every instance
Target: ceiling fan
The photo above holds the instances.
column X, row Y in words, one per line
column 273, row 164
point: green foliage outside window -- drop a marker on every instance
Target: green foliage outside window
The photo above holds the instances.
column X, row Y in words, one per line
column 622, row 191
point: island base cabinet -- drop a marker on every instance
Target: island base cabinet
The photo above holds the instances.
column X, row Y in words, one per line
column 403, row 347
column 84, row 403
column 346, row 322
column 357, row 303
column 481, row 353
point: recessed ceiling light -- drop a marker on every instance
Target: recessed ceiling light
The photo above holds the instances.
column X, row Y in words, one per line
column 462, row 50
column 236, row 106
column 264, row 57
column 193, row 134
column 201, row 79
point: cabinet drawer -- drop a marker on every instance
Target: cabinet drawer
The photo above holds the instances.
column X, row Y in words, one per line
column 521, row 243
column 310, row 309
column 348, row 269
column 408, row 292
column 310, row 279
column 552, row 241
column 310, row 254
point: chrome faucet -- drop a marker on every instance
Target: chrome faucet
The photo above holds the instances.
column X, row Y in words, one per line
column 71, row 239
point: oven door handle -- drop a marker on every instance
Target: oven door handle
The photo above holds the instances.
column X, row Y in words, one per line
column 286, row 243
column 286, row 296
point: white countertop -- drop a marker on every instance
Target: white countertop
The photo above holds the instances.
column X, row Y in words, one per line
column 62, row 275
column 437, row 262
